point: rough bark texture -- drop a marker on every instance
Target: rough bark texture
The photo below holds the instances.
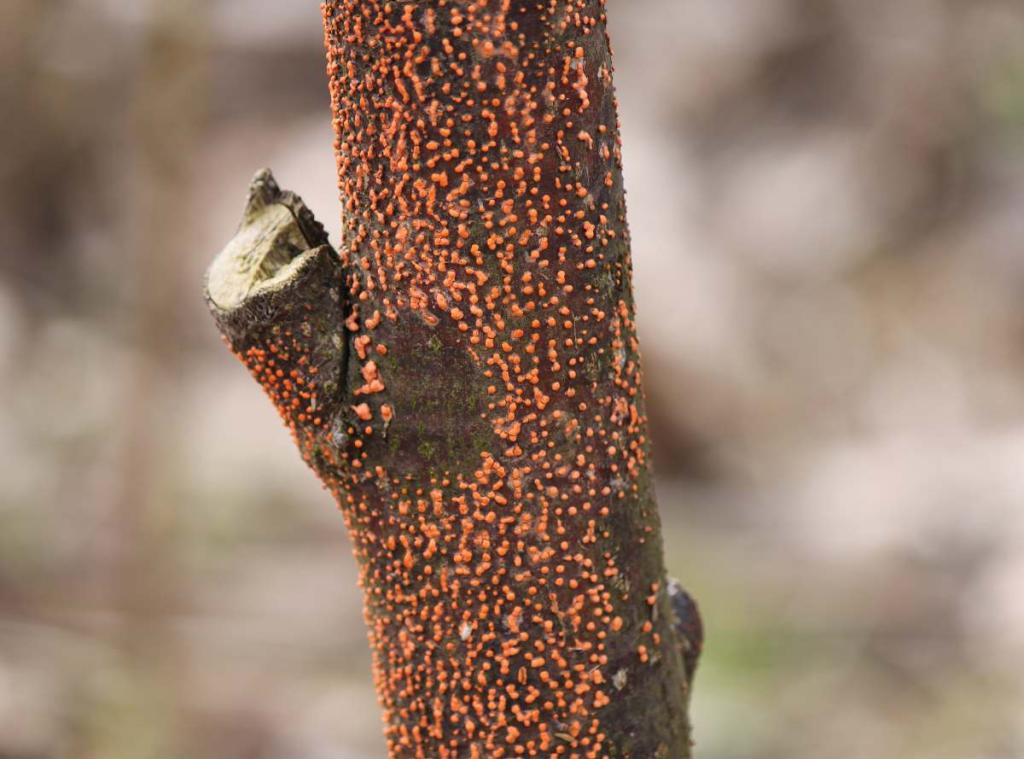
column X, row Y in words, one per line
column 465, row 379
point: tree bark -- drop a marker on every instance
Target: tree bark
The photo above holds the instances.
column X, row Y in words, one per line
column 465, row 378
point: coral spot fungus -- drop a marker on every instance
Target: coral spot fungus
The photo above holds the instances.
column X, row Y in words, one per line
column 467, row 383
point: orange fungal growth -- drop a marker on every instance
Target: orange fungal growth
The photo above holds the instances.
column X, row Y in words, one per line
column 473, row 397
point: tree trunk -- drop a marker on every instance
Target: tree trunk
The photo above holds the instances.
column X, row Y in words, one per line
column 465, row 379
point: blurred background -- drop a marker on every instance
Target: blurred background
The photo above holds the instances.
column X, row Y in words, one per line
column 827, row 205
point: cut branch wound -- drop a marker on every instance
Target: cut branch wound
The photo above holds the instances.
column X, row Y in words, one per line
column 465, row 379
column 277, row 293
